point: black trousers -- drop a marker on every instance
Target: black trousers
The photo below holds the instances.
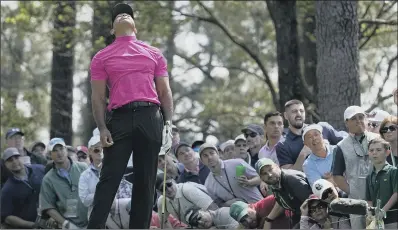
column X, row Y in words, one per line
column 137, row 130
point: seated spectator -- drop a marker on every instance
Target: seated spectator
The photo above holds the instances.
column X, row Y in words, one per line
column 59, row 196
column 174, row 169
column 382, row 183
column 182, row 197
column 252, row 216
column 289, row 187
column 82, row 154
column 315, row 215
column 374, row 120
column 241, row 149
column 292, row 152
column 205, row 219
column 319, row 163
column 254, row 135
column 389, row 132
column 223, row 183
column 195, row 170
column 273, row 123
column 20, row 194
column 228, row 150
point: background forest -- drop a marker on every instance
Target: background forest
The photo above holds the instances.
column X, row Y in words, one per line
column 229, row 62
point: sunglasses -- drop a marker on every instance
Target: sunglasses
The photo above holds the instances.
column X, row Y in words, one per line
column 389, row 128
column 97, row 150
column 314, row 209
column 168, row 185
column 250, row 135
column 373, row 125
column 82, row 157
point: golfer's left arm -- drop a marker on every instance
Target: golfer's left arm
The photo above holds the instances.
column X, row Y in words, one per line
column 163, row 88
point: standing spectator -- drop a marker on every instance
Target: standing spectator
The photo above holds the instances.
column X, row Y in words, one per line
column 292, row 152
column 389, row 132
column 374, row 120
column 223, row 182
column 273, row 123
column 228, row 150
column 20, row 194
column 254, row 135
column 241, row 149
column 351, row 162
column 82, row 154
column 382, row 183
column 194, row 169
column 59, row 194
column 289, row 187
column 319, row 163
column 39, row 148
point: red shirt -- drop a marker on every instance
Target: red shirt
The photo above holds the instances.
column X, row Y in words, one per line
column 263, row 208
column 129, row 67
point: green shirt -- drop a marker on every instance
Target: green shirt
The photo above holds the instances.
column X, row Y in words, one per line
column 59, row 193
column 383, row 185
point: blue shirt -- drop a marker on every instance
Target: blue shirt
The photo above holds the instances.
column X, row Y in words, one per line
column 288, row 150
column 315, row 167
column 21, row 197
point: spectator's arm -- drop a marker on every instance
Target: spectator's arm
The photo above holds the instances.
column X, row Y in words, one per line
column 251, row 174
column 19, row 223
column 85, row 196
column 304, row 224
column 276, row 211
column 311, row 173
column 176, row 223
column 393, row 199
column 338, row 169
column 47, row 200
column 284, row 158
column 7, row 208
column 301, row 188
column 199, row 198
column 334, row 136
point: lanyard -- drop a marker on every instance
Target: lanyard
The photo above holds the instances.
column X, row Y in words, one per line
column 179, row 209
column 230, row 191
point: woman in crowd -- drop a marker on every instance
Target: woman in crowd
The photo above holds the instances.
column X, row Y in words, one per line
column 388, row 131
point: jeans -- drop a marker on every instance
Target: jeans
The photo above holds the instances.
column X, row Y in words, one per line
column 137, row 130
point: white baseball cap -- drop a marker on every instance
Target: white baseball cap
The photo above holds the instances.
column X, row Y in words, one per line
column 352, row 111
column 312, row 127
column 224, row 145
column 319, row 187
column 378, row 116
column 240, row 137
column 94, row 140
column 56, row 141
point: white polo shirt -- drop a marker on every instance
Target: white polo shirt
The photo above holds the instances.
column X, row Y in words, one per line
column 188, row 195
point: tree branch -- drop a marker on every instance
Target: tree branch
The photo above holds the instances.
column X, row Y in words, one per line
column 194, row 63
column 378, row 22
column 213, row 20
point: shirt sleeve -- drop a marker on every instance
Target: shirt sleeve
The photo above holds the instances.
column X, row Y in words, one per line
column 47, row 197
column 7, row 208
column 250, row 171
column 300, row 188
column 394, row 179
column 283, row 155
column 338, row 166
column 161, row 66
column 84, row 190
column 196, row 196
column 311, row 172
column 334, row 136
column 97, row 69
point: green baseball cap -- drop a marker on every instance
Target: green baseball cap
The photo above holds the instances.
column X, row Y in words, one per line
column 261, row 163
column 238, row 210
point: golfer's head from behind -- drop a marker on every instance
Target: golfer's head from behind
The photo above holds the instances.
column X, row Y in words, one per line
column 123, row 20
column 171, row 188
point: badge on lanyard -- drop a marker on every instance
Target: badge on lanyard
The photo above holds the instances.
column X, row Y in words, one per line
column 364, row 167
column 71, row 208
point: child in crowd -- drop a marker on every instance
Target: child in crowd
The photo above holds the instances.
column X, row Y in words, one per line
column 382, row 183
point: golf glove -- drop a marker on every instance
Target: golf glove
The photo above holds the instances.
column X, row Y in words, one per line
column 167, row 137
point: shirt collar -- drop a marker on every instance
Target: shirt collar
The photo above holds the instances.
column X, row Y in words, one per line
column 385, row 167
column 25, row 178
column 328, row 152
column 266, row 146
column 126, row 38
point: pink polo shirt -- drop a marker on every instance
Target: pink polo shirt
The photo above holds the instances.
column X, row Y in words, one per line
column 129, row 67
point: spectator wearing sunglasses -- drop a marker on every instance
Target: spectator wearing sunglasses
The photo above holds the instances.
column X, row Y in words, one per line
column 351, row 163
column 82, row 154
column 374, row 120
column 254, row 135
column 182, row 197
column 205, row 219
column 382, row 183
column 388, row 131
column 315, row 215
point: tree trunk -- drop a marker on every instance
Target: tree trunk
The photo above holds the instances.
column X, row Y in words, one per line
column 337, row 54
column 62, row 70
column 283, row 14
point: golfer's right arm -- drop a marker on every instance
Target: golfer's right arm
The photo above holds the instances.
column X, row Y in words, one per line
column 98, row 87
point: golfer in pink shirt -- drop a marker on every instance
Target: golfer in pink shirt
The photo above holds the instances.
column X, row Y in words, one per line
column 137, row 119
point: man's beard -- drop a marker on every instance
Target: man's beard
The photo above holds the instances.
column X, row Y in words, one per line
column 297, row 125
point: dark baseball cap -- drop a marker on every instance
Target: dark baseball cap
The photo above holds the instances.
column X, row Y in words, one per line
column 254, row 128
column 12, row 131
column 121, row 8
column 179, row 146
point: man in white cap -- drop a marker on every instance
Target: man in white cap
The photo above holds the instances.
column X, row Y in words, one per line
column 319, row 163
column 374, row 120
column 59, row 195
column 351, row 162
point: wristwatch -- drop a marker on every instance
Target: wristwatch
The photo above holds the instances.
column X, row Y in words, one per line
column 268, row 219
